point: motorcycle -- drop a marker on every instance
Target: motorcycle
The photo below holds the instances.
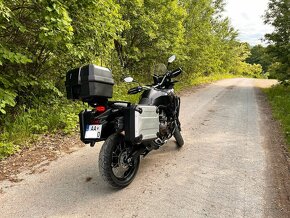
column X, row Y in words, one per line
column 129, row 130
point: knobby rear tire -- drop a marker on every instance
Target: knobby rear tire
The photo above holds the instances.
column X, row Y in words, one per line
column 106, row 161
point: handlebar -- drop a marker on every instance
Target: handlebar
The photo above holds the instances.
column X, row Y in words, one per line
column 134, row 90
column 175, row 73
column 170, row 74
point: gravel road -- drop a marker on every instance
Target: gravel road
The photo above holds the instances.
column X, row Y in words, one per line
column 223, row 169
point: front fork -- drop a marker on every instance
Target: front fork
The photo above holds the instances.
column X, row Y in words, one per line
column 177, row 122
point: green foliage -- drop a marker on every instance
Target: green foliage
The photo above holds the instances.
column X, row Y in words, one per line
column 41, row 40
column 7, row 148
column 260, row 56
column 274, row 70
column 6, row 98
column 12, row 57
column 252, row 70
column 278, row 15
column 279, row 97
column 152, row 35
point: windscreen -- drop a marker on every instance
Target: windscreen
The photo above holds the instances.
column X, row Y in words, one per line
column 159, row 69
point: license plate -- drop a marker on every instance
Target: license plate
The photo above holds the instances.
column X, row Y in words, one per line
column 93, row 131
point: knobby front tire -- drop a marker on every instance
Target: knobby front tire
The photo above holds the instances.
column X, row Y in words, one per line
column 178, row 137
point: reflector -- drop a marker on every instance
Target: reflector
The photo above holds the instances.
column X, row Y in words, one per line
column 95, row 122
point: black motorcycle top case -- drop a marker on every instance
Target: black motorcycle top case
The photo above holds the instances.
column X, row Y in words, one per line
column 89, row 82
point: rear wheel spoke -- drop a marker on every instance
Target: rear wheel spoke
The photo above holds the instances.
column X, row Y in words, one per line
column 117, row 172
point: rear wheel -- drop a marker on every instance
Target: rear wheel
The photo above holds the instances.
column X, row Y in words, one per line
column 114, row 166
column 178, row 137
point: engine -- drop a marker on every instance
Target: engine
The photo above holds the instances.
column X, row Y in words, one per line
column 163, row 126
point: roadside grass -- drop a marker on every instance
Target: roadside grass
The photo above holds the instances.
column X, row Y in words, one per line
column 21, row 130
column 212, row 78
column 195, row 81
column 279, row 97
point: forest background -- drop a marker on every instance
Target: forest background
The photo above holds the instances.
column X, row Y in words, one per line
column 40, row 40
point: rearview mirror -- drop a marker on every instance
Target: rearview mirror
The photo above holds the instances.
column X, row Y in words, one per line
column 171, row 59
column 128, row 79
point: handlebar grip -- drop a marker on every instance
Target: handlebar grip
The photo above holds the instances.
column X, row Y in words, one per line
column 176, row 72
column 134, row 90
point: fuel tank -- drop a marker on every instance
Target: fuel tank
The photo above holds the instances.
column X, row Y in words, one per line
column 156, row 97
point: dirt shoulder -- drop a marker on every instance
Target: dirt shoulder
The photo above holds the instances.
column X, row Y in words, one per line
column 278, row 161
column 46, row 149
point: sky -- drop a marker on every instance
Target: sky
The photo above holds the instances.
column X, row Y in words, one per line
column 246, row 17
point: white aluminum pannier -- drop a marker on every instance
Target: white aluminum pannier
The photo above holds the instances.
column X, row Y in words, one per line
column 147, row 122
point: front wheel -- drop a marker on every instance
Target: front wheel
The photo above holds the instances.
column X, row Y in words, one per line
column 178, row 137
column 114, row 166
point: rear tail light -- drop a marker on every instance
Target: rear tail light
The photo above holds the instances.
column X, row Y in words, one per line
column 100, row 109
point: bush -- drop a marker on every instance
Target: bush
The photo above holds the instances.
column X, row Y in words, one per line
column 28, row 124
column 7, row 148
